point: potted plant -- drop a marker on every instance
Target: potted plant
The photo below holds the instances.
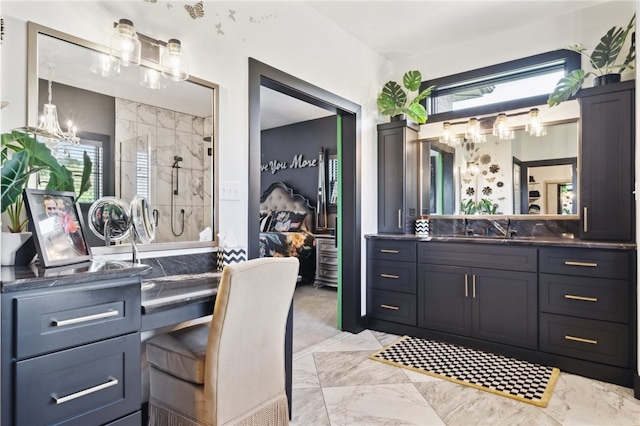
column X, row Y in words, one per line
column 604, row 61
column 394, row 102
column 23, row 155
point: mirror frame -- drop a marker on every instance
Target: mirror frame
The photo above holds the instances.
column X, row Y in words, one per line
column 33, row 30
column 522, row 216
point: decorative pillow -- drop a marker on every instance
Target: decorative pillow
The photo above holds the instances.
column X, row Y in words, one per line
column 265, row 220
column 286, row 221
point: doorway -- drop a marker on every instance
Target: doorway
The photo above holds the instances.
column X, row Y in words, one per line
column 348, row 232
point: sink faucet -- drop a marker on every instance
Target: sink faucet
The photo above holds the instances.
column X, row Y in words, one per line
column 468, row 229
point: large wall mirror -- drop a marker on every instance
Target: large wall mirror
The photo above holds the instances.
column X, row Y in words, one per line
column 159, row 143
column 525, row 175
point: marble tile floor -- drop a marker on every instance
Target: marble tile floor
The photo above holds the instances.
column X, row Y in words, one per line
column 334, row 383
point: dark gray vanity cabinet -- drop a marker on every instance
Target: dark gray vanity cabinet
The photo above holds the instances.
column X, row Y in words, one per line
column 607, row 162
column 71, row 354
column 398, row 177
column 585, row 304
column 391, row 281
column 497, row 305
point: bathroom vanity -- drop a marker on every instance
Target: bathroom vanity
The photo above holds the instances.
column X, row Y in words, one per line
column 555, row 301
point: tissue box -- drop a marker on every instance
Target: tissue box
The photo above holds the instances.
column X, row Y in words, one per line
column 229, row 255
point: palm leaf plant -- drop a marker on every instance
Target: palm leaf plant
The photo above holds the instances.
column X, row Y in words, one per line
column 394, row 99
column 22, row 156
column 604, row 61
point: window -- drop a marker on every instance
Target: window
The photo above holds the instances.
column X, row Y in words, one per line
column 516, row 84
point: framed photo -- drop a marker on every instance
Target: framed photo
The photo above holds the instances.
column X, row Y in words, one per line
column 56, row 223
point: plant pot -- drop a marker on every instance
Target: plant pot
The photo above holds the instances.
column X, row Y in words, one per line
column 606, row 79
column 398, row 117
column 17, row 249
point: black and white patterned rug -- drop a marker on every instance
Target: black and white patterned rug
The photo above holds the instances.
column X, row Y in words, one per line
column 520, row 380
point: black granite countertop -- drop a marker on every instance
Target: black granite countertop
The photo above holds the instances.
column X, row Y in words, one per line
column 17, row 278
column 542, row 241
column 170, row 292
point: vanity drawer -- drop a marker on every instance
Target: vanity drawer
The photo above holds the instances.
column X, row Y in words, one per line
column 592, row 340
column 585, row 262
column 327, row 259
column 479, row 256
column 593, row 298
column 327, row 273
column 91, row 384
column 392, row 306
column 326, row 245
column 394, row 276
column 392, row 250
column 48, row 322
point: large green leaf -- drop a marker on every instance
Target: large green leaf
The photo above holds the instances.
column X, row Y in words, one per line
column 422, row 95
column 412, row 80
column 392, row 92
column 608, row 49
column 85, row 182
column 567, row 87
column 416, row 113
column 13, row 178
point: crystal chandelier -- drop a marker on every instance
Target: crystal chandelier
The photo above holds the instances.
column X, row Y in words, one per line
column 49, row 123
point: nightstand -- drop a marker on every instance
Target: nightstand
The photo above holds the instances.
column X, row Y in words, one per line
column 326, row 261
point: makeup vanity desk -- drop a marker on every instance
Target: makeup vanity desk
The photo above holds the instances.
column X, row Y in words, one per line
column 71, row 338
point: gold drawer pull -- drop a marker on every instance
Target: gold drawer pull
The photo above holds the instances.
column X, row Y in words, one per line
column 581, row 340
column 584, row 298
column 389, row 251
column 393, row 308
column 589, row 264
column 85, row 318
column 395, row 277
column 112, row 382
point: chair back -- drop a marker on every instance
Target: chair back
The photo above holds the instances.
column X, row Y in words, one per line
column 245, row 353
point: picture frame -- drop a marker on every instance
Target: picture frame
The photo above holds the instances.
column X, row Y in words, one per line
column 57, row 227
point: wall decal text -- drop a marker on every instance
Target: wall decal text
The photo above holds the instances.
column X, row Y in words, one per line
column 298, row 162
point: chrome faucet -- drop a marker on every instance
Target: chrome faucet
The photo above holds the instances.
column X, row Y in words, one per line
column 511, row 232
column 468, row 229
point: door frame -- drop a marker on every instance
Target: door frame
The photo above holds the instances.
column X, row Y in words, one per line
column 348, row 234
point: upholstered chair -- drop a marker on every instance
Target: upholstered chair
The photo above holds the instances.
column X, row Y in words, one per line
column 231, row 371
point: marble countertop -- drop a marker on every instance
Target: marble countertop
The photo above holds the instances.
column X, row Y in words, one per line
column 546, row 241
column 170, row 292
column 17, row 278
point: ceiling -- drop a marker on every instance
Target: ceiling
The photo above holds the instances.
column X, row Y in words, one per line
column 391, row 28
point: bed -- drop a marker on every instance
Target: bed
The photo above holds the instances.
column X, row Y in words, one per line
column 287, row 223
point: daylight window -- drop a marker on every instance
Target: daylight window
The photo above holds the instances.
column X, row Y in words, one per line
column 517, row 84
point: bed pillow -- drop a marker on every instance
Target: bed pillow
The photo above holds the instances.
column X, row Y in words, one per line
column 265, row 220
column 286, row 221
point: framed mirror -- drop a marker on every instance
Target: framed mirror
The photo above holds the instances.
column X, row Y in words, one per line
column 156, row 143
column 493, row 177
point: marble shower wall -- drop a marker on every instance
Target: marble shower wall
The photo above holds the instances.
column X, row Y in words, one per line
column 168, row 134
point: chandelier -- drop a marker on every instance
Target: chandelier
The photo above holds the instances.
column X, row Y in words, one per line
column 49, row 124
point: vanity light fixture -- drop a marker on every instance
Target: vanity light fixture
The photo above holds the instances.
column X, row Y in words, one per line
column 125, row 46
column 447, row 136
column 474, row 132
column 174, row 63
column 501, row 128
column 49, row 123
column 151, row 79
column 534, row 125
column 105, row 66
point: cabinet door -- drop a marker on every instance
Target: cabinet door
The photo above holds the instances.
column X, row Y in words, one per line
column 606, row 165
column 444, row 302
column 505, row 307
column 397, row 178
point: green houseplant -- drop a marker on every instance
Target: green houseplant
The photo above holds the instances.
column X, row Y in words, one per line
column 604, row 60
column 23, row 155
column 393, row 101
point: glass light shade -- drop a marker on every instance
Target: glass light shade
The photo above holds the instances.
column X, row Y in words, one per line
column 125, row 46
column 447, row 135
column 174, row 63
column 49, row 123
column 104, row 65
column 501, row 128
column 534, row 125
column 473, row 133
column 151, row 79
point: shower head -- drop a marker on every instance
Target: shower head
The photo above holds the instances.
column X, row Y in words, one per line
column 176, row 159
